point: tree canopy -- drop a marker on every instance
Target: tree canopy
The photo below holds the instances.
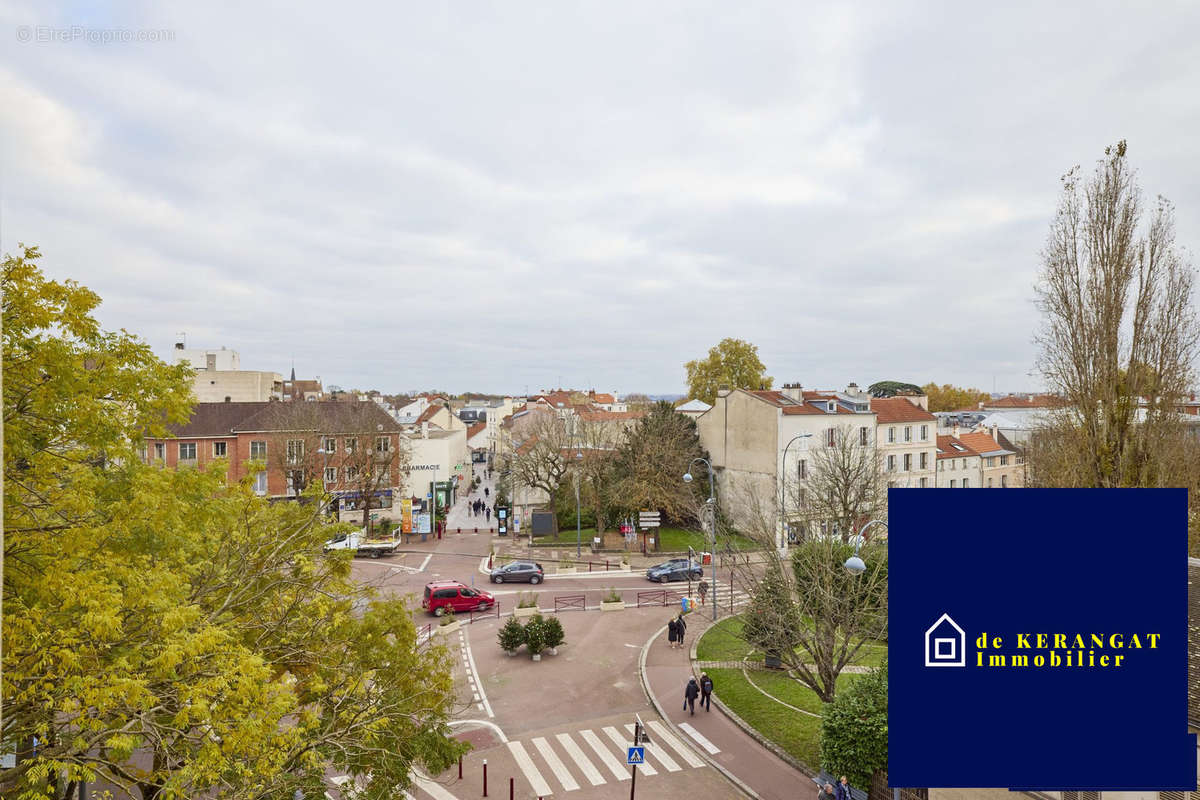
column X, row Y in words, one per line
column 650, row 464
column 952, row 398
column 893, row 388
column 733, row 363
column 163, row 630
column 854, row 729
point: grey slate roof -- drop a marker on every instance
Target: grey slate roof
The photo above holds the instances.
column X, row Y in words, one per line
column 325, row 416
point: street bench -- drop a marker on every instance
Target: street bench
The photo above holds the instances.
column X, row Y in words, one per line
column 824, row 778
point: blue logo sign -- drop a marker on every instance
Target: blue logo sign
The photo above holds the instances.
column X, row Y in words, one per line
column 636, row 755
column 1052, row 625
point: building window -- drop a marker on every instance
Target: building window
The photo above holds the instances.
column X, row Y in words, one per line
column 331, row 474
column 160, row 451
column 143, row 453
column 829, row 437
column 1004, row 461
column 891, row 435
column 908, row 433
column 954, row 463
column 351, row 472
column 219, row 450
column 953, row 483
column 964, row 464
column 924, row 460
column 258, row 451
column 802, row 497
column 924, row 483
column 964, row 483
column 260, row 483
column 1003, row 481
column 351, row 444
column 908, row 462
column 330, row 445
column 383, row 444
column 924, row 433
column 802, row 469
column 295, row 451
column 891, row 462
column 989, row 483
column 864, row 438
column 187, row 451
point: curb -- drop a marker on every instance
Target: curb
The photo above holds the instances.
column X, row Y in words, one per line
column 729, row 776
column 783, row 755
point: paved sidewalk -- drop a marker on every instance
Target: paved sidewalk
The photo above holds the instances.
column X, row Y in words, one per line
column 758, row 769
column 460, row 515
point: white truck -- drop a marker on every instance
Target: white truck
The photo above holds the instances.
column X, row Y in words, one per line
column 361, row 545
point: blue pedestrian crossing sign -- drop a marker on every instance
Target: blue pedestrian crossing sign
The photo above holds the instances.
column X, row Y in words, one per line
column 637, row 755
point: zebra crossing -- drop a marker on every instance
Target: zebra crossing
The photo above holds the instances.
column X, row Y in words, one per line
column 580, row 754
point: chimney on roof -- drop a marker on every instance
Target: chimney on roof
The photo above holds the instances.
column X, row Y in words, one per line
column 955, row 430
column 852, row 389
column 424, row 430
column 995, row 438
column 794, row 391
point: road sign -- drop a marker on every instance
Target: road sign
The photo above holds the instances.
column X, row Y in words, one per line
column 648, row 519
column 636, row 755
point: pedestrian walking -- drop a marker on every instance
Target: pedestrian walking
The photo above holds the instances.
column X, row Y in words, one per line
column 842, row 791
column 485, row 491
column 672, row 630
column 826, row 792
column 706, row 689
column 689, row 696
column 703, row 591
column 488, row 512
column 680, row 630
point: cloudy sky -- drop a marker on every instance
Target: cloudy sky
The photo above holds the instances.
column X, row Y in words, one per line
column 501, row 196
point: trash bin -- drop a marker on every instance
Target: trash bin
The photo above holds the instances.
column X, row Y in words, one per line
column 706, row 559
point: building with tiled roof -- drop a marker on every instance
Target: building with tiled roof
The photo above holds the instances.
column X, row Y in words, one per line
column 761, row 444
column 906, row 442
column 976, row 460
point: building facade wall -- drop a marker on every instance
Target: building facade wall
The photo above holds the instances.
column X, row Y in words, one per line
column 895, row 440
column 238, row 386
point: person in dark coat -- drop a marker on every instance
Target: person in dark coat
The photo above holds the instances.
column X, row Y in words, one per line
column 485, row 491
column 488, row 513
column 672, row 630
column 842, row 791
column 826, row 792
column 706, row 689
column 689, row 695
column 680, row 629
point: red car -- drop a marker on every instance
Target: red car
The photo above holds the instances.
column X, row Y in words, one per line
column 443, row 596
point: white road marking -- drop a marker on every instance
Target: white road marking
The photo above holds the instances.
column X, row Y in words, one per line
column 634, row 646
column 679, row 747
column 585, row 766
column 654, row 749
column 475, row 671
column 622, row 746
column 424, row 563
column 536, row 781
column 700, row 738
column 606, row 757
column 432, row 787
column 556, row 765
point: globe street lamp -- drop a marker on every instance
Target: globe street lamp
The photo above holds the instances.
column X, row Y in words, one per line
column 783, row 489
column 712, row 508
column 854, row 564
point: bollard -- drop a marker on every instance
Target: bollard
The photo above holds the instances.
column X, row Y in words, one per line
column 510, row 789
column 485, row 777
column 460, row 768
column 589, row 566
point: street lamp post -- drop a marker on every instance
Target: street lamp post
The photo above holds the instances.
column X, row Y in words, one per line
column 712, row 508
column 324, row 470
column 854, row 564
column 578, row 527
column 783, row 489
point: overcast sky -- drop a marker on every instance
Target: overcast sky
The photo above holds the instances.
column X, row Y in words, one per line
column 501, row 196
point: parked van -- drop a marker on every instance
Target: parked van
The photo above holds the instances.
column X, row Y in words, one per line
column 443, row 596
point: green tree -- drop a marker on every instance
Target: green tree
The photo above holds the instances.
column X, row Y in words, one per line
column 952, row 398
column 854, row 729
column 650, row 462
column 732, row 363
column 772, row 621
column 892, row 388
column 168, row 614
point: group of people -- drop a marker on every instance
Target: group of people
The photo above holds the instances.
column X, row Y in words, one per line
column 839, row 792
column 676, row 627
column 703, row 689
column 481, row 509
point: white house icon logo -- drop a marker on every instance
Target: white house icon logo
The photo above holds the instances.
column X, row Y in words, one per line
column 945, row 644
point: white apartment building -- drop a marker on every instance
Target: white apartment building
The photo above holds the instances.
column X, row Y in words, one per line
column 906, row 440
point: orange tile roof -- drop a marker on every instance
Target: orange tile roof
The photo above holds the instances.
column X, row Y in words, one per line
column 946, row 449
column 898, row 409
column 478, row 427
column 601, row 398
column 980, row 442
column 600, row 415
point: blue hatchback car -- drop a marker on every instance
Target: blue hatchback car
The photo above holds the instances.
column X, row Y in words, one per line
column 674, row 570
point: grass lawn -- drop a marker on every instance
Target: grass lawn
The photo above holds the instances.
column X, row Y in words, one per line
column 670, row 540
column 798, row 734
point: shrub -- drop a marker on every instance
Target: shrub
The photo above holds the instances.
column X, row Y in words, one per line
column 854, row 728
column 535, row 634
column 527, row 600
column 448, row 617
column 613, row 596
column 511, row 636
column 554, row 632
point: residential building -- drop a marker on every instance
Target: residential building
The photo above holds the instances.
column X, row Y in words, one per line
column 693, row 408
column 353, row 448
column 977, row 461
column 219, row 378
column 440, row 462
column 906, row 442
column 761, row 445
column 305, row 390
